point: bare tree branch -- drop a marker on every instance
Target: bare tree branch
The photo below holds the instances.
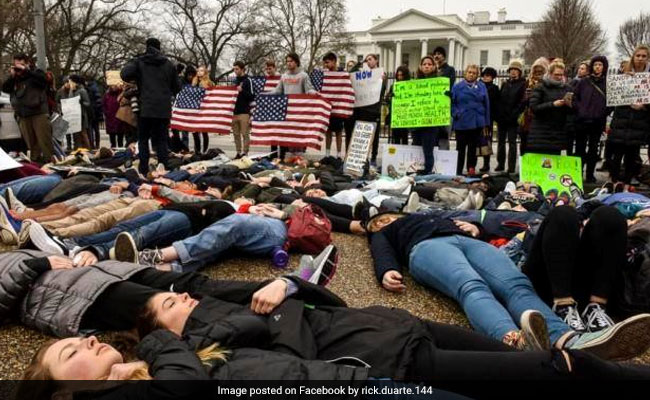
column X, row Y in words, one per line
column 633, row 32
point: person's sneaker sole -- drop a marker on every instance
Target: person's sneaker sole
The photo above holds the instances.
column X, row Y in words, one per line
column 326, row 266
column 42, row 240
column 412, row 204
column 125, row 248
column 626, row 340
column 535, row 331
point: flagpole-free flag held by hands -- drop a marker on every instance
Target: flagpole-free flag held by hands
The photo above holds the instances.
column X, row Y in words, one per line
column 295, row 120
column 335, row 87
column 204, row 110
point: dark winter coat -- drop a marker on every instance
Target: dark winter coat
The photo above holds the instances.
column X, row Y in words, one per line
column 157, row 82
column 449, row 72
column 493, row 96
column 630, row 127
column 590, row 95
column 548, row 128
column 110, row 105
column 28, row 93
column 511, row 101
column 244, row 98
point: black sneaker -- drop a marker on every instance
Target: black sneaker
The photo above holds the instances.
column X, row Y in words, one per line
column 499, row 168
column 596, row 318
column 570, row 316
column 45, row 241
column 125, row 249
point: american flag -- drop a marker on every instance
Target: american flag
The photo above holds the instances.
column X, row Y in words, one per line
column 335, row 86
column 204, row 110
column 295, row 120
column 263, row 84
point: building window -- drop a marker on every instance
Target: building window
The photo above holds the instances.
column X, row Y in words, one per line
column 529, row 26
column 484, row 57
column 505, row 57
column 405, row 59
column 508, row 27
column 485, row 28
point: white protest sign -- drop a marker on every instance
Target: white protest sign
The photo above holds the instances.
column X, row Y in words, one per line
column 625, row 90
column 113, row 78
column 411, row 158
column 7, row 162
column 359, row 147
column 367, row 86
column 71, row 111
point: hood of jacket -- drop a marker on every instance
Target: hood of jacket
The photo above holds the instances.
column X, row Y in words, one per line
column 153, row 56
column 603, row 60
column 551, row 83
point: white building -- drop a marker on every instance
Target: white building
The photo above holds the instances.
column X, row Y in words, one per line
column 405, row 38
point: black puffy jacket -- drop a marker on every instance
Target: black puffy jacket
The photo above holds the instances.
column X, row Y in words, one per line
column 630, row 127
column 157, row 83
column 548, row 129
column 511, row 101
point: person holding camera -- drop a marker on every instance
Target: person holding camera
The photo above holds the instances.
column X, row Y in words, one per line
column 28, row 90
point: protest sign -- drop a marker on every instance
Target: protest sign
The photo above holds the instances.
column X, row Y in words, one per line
column 7, row 162
column 359, row 147
column 71, row 111
column 625, row 90
column 421, row 103
column 406, row 159
column 113, row 78
column 551, row 172
column 367, row 86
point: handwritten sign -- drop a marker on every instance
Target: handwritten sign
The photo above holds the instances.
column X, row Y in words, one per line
column 421, row 103
column 625, row 90
column 367, row 86
column 71, row 111
column 406, row 159
column 113, row 78
column 551, row 172
column 359, row 147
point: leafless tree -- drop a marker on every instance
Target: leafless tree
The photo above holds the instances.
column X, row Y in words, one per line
column 306, row 27
column 633, row 32
column 568, row 30
column 12, row 26
column 201, row 32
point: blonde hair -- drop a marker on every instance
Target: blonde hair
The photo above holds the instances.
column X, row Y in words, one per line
column 555, row 65
column 38, row 371
column 473, row 66
column 205, row 81
column 630, row 65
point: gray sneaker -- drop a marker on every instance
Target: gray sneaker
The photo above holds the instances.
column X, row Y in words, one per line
column 125, row 249
column 623, row 341
column 534, row 331
column 150, row 257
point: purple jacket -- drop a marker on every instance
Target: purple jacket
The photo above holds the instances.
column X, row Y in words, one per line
column 590, row 99
column 470, row 106
column 110, row 106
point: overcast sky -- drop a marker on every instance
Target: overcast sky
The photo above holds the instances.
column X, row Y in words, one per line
column 610, row 12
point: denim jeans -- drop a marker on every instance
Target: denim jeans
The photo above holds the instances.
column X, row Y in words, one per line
column 251, row 234
column 444, row 178
column 492, row 292
column 32, row 189
column 154, row 229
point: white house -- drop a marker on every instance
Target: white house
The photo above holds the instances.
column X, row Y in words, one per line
column 405, row 38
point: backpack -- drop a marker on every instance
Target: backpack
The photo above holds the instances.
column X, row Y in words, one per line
column 308, row 230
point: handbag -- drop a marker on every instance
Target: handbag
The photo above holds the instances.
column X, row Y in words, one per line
column 126, row 114
column 309, row 230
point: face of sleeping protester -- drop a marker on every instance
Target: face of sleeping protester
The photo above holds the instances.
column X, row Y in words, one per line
column 80, row 359
column 172, row 310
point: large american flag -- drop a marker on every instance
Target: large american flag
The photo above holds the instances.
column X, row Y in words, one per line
column 295, row 120
column 336, row 87
column 204, row 110
column 264, row 83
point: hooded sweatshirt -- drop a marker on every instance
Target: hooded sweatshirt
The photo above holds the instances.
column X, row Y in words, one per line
column 157, row 82
column 590, row 94
column 297, row 82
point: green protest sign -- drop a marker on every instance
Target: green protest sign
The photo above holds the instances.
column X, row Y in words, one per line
column 551, row 172
column 421, row 103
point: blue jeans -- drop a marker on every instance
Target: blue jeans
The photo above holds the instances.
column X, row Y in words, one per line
column 444, row 178
column 480, row 278
column 32, row 189
column 251, row 234
column 157, row 228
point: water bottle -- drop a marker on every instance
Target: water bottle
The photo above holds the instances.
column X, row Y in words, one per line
column 280, row 257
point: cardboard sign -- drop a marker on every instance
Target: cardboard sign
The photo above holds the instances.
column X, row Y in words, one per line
column 113, row 78
column 551, row 172
column 406, row 159
column 360, row 145
column 7, row 162
column 71, row 112
column 367, row 86
column 421, row 103
column 625, row 90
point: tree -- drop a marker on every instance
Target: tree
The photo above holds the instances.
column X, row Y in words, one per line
column 568, row 30
column 633, row 32
column 306, row 27
column 201, row 32
column 11, row 26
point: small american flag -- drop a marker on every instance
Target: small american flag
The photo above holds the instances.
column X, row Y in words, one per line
column 204, row 110
column 335, row 87
column 295, row 120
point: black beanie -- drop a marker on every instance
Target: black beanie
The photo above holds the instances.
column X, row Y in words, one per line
column 440, row 50
column 153, row 42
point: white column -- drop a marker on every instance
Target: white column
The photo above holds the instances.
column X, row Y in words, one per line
column 390, row 60
column 374, row 48
column 457, row 60
column 384, row 55
column 451, row 52
column 398, row 54
column 425, row 44
column 464, row 58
